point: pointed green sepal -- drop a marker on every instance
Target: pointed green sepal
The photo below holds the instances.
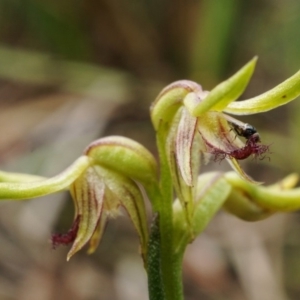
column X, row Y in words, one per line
column 269, row 198
column 227, row 91
column 41, row 187
column 244, row 208
column 280, row 95
column 19, row 177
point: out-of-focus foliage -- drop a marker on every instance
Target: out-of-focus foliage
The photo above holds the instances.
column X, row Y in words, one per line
column 71, row 71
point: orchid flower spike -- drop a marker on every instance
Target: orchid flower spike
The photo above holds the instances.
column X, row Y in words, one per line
column 198, row 123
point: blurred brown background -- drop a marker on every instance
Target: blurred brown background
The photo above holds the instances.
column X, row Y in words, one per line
column 72, row 71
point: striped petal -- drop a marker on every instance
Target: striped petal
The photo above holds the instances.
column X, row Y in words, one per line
column 88, row 194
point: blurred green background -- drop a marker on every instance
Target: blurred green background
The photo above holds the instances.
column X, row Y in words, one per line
column 72, row 71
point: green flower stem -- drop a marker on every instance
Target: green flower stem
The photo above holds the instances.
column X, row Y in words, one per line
column 212, row 192
column 268, row 198
column 26, row 190
column 169, row 268
column 155, row 283
column 177, row 267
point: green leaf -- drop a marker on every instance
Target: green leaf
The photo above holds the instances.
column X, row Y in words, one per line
column 280, row 95
column 227, row 91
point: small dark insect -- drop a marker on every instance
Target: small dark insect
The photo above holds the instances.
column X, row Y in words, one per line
column 245, row 130
column 58, row 239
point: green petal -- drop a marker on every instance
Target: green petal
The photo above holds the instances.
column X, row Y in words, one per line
column 237, row 167
column 286, row 183
column 180, row 163
column 244, row 208
column 280, row 95
column 267, row 197
column 216, row 132
column 98, row 233
column 187, row 129
column 127, row 193
column 227, row 91
column 212, row 191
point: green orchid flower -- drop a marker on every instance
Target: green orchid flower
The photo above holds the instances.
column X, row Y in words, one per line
column 100, row 181
column 198, row 124
column 206, row 113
